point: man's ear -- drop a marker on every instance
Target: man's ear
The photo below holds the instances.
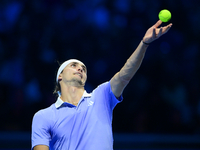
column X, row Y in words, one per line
column 59, row 77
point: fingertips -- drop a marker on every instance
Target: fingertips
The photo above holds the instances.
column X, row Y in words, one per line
column 158, row 23
column 170, row 25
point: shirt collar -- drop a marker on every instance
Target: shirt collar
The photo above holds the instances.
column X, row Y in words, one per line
column 59, row 102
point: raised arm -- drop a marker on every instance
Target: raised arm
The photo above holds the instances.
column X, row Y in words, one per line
column 122, row 78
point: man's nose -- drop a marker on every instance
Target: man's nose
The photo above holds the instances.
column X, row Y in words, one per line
column 80, row 69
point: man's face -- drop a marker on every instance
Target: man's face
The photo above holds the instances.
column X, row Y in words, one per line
column 74, row 72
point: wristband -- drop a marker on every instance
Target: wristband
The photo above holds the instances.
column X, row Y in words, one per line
column 145, row 43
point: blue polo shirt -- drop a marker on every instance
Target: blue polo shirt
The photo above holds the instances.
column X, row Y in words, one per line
column 87, row 126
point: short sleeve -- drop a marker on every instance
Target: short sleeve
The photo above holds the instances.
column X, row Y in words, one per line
column 40, row 130
column 114, row 101
column 104, row 93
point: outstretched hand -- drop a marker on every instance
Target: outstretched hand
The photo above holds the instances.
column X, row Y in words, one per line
column 154, row 32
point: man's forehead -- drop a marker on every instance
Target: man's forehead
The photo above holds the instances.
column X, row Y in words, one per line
column 75, row 62
column 80, row 63
column 66, row 63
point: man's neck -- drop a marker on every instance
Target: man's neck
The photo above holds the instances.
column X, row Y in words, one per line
column 72, row 94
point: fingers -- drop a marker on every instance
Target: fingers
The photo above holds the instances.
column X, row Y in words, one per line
column 170, row 25
column 166, row 29
column 158, row 23
column 154, row 33
column 160, row 32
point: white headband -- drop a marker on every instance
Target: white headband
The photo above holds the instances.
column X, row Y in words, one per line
column 64, row 65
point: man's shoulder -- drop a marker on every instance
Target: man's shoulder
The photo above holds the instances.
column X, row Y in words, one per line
column 46, row 112
column 101, row 89
column 103, row 85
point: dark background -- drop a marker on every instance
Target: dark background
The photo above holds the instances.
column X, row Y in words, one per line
column 163, row 97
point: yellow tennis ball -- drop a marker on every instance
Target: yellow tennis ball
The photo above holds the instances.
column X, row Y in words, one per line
column 164, row 15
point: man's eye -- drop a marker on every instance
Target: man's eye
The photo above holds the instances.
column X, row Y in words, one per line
column 73, row 65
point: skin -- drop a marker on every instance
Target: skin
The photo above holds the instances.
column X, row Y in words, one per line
column 41, row 147
column 122, row 78
column 72, row 81
column 73, row 77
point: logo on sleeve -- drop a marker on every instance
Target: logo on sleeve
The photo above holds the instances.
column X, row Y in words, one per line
column 90, row 103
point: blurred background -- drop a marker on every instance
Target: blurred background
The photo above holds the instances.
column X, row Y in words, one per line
column 161, row 106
